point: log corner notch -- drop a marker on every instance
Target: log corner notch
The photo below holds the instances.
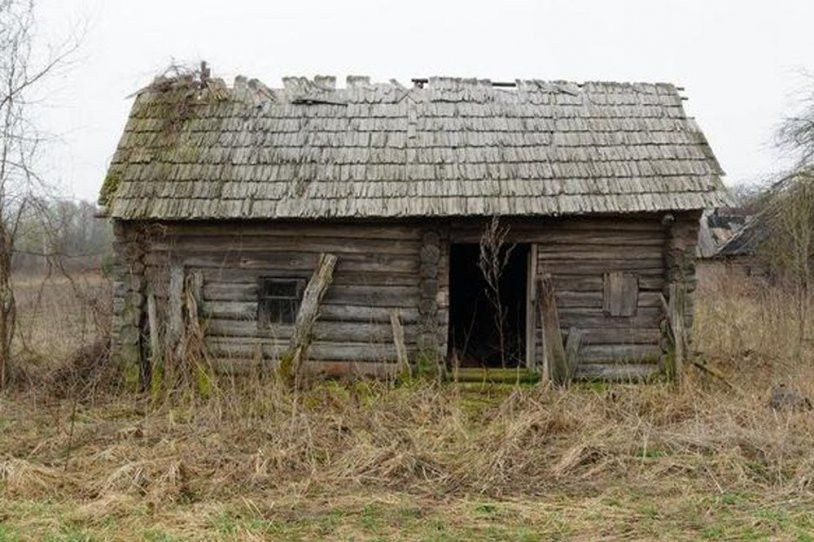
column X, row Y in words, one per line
column 290, row 368
column 555, row 360
column 677, row 296
column 126, row 345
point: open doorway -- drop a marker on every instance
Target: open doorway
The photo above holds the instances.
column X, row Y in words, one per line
column 474, row 337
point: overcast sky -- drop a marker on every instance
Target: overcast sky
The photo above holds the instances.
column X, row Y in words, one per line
column 739, row 61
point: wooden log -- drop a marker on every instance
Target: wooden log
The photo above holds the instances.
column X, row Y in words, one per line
column 593, row 318
column 193, row 343
column 398, row 341
column 572, row 345
column 237, row 276
column 603, row 353
column 627, row 372
column 237, row 244
column 247, row 310
column 363, row 230
column 329, row 368
column 291, row 261
column 352, row 295
column 596, row 300
column 676, row 318
column 554, row 351
column 373, row 332
column 630, row 335
column 155, row 332
column 274, row 349
column 175, row 310
column 308, row 312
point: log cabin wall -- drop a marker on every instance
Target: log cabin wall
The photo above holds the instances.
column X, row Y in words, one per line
column 579, row 252
column 378, row 271
column 402, row 266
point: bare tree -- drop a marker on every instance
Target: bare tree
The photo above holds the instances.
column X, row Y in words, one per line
column 796, row 133
column 21, row 188
column 494, row 256
column 788, row 243
column 786, row 210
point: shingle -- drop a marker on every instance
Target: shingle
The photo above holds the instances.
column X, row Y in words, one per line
column 456, row 147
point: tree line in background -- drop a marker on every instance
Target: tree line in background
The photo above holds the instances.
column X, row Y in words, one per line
column 63, row 233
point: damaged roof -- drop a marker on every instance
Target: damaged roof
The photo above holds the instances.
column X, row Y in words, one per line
column 198, row 149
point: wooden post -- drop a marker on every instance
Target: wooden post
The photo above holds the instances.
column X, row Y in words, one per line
column 676, row 318
column 403, row 368
column 318, row 284
column 572, row 351
column 175, row 309
column 552, row 335
column 152, row 322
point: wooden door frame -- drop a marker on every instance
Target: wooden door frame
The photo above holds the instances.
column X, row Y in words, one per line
column 531, row 306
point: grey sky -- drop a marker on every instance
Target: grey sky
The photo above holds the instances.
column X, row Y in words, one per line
column 738, row 60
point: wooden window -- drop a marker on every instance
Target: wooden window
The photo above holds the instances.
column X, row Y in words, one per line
column 621, row 294
column 278, row 300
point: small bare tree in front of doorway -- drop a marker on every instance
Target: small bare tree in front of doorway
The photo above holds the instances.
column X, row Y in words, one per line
column 494, row 257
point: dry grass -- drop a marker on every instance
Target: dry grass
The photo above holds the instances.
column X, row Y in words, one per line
column 365, row 461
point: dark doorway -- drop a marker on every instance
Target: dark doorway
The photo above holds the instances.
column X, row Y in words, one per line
column 474, row 338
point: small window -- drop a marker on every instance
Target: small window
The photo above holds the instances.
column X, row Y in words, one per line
column 621, row 294
column 278, row 300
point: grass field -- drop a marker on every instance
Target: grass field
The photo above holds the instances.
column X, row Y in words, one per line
column 364, row 461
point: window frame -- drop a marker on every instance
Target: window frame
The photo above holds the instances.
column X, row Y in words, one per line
column 267, row 315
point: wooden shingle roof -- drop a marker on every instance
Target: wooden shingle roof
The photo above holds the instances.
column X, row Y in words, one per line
column 455, row 147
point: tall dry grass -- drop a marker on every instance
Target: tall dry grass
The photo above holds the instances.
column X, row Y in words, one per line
column 253, row 438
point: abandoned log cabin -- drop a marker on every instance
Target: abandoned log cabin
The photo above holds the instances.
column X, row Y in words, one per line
column 227, row 200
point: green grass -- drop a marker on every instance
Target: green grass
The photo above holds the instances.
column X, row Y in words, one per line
column 399, row 516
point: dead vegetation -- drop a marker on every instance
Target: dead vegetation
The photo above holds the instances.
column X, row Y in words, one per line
column 593, row 461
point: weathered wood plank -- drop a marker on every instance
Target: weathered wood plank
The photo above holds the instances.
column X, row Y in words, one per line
column 572, row 351
column 247, row 310
column 550, row 327
column 242, row 348
column 240, row 244
column 600, row 254
column 620, row 294
column 328, row 331
column 175, row 310
column 588, row 318
column 627, row 372
column 362, row 230
column 234, row 275
column 325, row 368
column 398, row 342
column 369, row 296
column 155, row 332
column 301, row 261
column 594, row 300
column 649, row 280
column 677, row 323
column 308, row 312
column 600, row 353
column 609, row 335
column 598, row 267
